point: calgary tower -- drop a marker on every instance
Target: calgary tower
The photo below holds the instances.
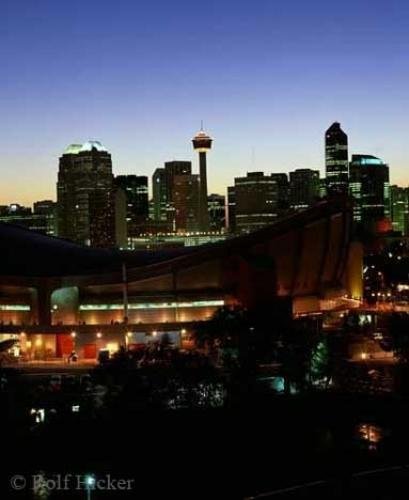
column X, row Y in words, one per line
column 203, row 143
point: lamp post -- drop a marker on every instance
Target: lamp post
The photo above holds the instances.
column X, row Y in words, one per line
column 89, row 485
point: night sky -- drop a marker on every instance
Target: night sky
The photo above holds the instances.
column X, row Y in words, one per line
column 267, row 77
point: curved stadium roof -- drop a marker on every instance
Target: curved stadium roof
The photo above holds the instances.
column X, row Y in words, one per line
column 27, row 254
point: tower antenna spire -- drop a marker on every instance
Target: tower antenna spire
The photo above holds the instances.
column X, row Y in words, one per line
column 201, row 125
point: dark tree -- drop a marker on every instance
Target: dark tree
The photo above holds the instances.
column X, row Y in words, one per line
column 399, row 337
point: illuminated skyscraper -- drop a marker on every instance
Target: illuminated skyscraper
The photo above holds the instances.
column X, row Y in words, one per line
column 400, row 209
column 336, row 160
column 203, row 143
column 85, row 195
column 369, row 187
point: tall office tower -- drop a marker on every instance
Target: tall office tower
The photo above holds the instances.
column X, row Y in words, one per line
column 85, row 195
column 283, row 192
column 336, row 160
column 159, row 195
column 186, row 202
column 256, row 201
column 172, row 169
column 135, row 188
column 369, row 187
column 216, row 204
column 400, row 209
column 231, row 209
column 304, row 188
column 202, row 143
column 47, row 210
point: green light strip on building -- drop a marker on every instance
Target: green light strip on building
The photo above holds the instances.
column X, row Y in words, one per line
column 152, row 305
column 14, row 307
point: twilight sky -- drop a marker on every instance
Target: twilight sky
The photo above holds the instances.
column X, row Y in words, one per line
column 266, row 76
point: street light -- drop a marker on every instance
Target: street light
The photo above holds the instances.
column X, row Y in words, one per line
column 89, row 485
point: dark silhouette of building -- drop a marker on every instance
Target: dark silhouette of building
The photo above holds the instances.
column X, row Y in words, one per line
column 369, row 187
column 172, row 169
column 16, row 214
column 283, row 187
column 336, row 160
column 121, row 223
column 202, row 143
column 47, row 209
column 159, row 195
column 323, row 187
column 256, row 198
column 41, row 219
column 85, row 195
column 216, row 204
column 400, row 209
column 231, row 209
column 186, row 202
column 304, row 188
column 135, row 188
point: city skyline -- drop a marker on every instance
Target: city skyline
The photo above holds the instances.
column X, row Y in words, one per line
column 204, row 217
column 214, row 187
column 270, row 81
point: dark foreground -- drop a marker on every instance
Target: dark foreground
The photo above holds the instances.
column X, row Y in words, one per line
column 271, row 445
